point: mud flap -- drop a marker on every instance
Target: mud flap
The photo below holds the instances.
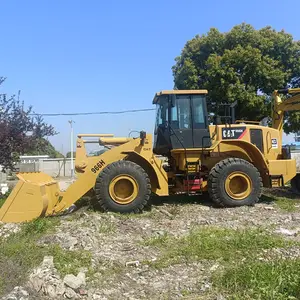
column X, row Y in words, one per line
column 34, row 196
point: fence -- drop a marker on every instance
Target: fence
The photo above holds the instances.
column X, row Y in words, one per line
column 55, row 167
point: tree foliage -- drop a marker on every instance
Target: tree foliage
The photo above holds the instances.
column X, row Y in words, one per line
column 43, row 147
column 68, row 155
column 20, row 130
column 243, row 64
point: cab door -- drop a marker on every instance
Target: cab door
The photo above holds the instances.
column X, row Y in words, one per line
column 181, row 122
column 201, row 136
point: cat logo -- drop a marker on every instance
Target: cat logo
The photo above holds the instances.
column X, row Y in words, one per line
column 233, row 133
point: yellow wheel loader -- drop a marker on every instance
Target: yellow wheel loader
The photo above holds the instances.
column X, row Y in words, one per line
column 188, row 155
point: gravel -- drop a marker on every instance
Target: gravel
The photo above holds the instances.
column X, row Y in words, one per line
column 119, row 256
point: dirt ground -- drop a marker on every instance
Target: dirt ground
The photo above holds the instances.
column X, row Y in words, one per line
column 124, row 248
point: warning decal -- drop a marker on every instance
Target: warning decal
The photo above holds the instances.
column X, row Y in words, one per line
column 274, row 143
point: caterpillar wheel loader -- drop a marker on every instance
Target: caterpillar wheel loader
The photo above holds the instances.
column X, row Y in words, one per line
column 188, row 155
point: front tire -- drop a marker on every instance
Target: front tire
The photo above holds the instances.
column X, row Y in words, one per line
column 123, row 187
column 234, row 182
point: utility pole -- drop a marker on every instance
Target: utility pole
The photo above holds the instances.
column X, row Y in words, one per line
column 72, row 150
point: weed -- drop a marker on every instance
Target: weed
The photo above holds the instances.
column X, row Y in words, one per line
column 282, row 201
column 19, row 253
column 158, row 240
column 289, row 205
column 39, row 226
column 278, row 280
column 3, row 197
column 69, row 262
column 107, row 228
column 2, row 200
column 215, row 244
column 105, row 270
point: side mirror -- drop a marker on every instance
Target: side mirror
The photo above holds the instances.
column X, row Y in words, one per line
column 142, row 137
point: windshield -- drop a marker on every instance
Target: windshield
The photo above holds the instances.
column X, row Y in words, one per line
column 187, row 112
column 181, row 116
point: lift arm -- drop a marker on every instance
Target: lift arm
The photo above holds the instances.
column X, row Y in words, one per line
column 280, row 106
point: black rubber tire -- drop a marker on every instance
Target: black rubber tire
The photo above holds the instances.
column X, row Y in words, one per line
column 217, row 178
column 104, row 199
column 295, row 184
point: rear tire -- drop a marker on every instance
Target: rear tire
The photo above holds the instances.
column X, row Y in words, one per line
column 234, row 182
column 295, row 184
column 123, row 187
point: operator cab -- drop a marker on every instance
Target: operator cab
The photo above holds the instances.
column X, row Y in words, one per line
column 181, row 120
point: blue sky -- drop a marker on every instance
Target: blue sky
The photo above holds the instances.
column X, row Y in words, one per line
column 78, row 56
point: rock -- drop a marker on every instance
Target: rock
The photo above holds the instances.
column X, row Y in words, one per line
column 287, row 231
column 50, row 291
column 214, row 267
column 48, row 262
column 69, row 242
column 83, row 292
column 81, row 276
column 205, row 286
column 135, row 263
column 204, row 208
column 18, row 293
column 75, row 282
column 98, row 297
column 160, row 232
column 8, row 228
column 269, row 208
column 295, row 217
column 45, row 279
column 70, row 294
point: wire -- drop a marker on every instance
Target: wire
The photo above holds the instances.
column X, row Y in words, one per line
column 92, row 113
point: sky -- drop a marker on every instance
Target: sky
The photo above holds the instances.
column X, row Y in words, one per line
column 84, row 56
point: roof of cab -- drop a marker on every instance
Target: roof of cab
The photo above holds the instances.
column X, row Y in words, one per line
column 178, row 92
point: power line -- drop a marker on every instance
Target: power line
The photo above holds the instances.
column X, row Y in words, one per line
column 93, row 113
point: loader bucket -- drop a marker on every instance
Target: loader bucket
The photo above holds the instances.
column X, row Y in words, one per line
column 34, row 196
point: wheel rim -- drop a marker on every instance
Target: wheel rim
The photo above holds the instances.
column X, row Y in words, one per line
column 123, row 189
column 238, row 185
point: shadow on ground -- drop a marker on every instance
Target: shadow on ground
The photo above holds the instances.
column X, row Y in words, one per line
column 269, row 197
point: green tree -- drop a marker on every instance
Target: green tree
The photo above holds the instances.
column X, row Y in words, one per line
column 243, row 64
column 42, row 146
column 20, row 130
column 68, row 155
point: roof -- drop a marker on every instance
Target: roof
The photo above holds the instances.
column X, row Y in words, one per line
column 178, row 92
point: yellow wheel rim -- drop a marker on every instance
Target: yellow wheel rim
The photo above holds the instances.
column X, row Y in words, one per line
column 123, row 189
column 238, row 185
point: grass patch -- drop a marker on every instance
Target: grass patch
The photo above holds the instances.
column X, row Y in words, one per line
column 289, row 205
column 214, row 244
column 243, row 276
column 3, row 198
column 278, row 280
column 158, row 240
column 69, row 262
column 106, row 228
column 104, row 270
column 282, row 201
column 19, row 253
